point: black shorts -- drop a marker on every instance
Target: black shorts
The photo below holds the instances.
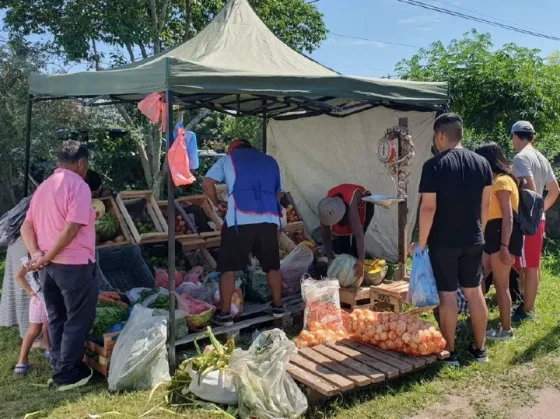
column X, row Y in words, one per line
column 456, row 266
column 238, row 242
column 493, row 238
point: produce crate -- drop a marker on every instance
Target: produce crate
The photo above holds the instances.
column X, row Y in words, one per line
column 390, row 296
column 336, row 368
column 293, row 230
column 156, row 256
column 124, row 268
column 141, row 206
column 213, row 242
column 99, row 357
column 112, row 208
column 189, row 231
column 288, row 203
column 355, row 297
column 206, row 210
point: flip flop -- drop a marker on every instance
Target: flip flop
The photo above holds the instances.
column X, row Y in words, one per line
column 22, row 369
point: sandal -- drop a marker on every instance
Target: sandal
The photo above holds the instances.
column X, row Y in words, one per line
column 22, row 369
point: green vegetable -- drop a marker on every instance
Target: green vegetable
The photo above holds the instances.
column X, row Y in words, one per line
column 107, row 315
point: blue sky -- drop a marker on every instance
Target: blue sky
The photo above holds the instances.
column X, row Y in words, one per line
column 396, row 22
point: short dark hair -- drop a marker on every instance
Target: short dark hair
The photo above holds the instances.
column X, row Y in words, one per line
column 71, row 152
column 93, row 179
column 451, row 124
column 525, row 135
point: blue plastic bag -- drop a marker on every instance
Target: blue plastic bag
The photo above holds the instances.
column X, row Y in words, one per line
column 422, row 291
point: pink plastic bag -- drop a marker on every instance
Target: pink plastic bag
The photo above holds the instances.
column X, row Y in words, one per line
column 154, row 107
column 162, row 278
column 179, row 161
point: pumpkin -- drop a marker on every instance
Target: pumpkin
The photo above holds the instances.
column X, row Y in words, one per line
column 342, row 268
column 98, row 207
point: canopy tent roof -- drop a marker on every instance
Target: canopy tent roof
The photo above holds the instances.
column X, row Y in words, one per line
column 237, row 65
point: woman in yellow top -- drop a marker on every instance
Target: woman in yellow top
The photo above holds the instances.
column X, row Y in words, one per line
column 503, row 239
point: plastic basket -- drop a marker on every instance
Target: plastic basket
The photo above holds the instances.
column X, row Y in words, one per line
column 124, row 268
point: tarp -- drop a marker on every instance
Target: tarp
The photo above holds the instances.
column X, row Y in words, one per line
column 235, row 54
column 316, row 154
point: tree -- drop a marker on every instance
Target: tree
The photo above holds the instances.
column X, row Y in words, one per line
column 108, row 34
column 492, row 88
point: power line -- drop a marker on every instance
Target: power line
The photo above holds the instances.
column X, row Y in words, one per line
column 372, row 40
column 479, row 20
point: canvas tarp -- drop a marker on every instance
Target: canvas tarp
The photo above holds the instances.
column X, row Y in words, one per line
column 236, row 54
column 316, row 154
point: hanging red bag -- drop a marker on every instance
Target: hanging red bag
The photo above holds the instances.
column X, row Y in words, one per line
column 179, row 161
column 155, row 108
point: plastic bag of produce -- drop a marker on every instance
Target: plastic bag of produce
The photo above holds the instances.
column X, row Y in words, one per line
column 216, row 387
column 264, row 388
column 199, row 313
column 162, row 278
column 181, row 329
column 293, row 267
column 342, row 268
column 422, row 291
column 257, row 286
column 236, row 302
column 196, row 290
column 139, row 360
column 136, row 293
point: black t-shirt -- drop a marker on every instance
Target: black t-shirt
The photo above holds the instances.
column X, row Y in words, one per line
column 457, row 177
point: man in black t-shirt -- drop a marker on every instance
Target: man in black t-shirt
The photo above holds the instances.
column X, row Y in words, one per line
column 455, row 187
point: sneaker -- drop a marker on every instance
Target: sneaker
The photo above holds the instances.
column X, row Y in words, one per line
column 223, row 319
column 479, row 355
column 278, row 312
column 86, row 376
column 500, row 334
column 520, row 315
column 452, row 361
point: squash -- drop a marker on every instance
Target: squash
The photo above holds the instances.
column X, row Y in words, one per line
column 98, row 207
column 342, row 268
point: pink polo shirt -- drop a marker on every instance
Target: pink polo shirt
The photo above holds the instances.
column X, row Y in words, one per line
column 64, row 198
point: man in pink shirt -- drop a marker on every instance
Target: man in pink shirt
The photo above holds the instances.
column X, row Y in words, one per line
column 59, row 232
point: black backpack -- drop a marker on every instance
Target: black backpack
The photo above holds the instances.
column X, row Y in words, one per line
column 531, row 210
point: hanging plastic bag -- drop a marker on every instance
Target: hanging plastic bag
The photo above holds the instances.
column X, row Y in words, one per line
column 139, row 360
column 422, row 291
column 264, row 388
column 154, row 107
column 293, row 267
column 179, row 161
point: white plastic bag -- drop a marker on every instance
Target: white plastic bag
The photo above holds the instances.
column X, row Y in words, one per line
column 322, row 304
column 139, row 360
column 264, row 388
column 216, row 387
column 293, row 267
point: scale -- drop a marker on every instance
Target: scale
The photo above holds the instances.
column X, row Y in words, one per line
column 385, row 201
column 386, row 154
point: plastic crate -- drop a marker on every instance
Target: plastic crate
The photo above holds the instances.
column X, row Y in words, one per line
column 124, row 268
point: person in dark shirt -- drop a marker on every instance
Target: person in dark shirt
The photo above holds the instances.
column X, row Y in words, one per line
column 455, row 188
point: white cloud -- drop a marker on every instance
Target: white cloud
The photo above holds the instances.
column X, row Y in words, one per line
column 348, row 42
column 420, row 19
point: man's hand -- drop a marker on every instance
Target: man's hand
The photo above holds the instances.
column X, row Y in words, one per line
column 222, row 207
column 505, row 256
column 359, row 269
column 39, row 263
column 412, row 249
column 36, row 255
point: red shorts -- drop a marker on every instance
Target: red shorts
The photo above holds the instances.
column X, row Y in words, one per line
column 532, row 249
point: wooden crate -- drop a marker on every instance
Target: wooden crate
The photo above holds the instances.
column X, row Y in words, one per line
column 154, row 214
column 389, row 296
column 355, row 297
column 112, row 208
column 292, row 228
column 287, row 199
column 338, row 367
column 180, row 211
column 212, row 242
column 103, row 353
column 203, row 202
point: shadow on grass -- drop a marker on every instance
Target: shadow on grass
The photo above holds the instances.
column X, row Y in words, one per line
column 545, row 345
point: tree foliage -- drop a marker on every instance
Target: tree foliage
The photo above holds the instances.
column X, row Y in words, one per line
column 492, row 88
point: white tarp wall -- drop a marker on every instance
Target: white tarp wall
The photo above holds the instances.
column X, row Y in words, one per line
column 316, row 154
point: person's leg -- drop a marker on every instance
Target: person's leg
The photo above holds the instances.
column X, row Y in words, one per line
column 530, row 289
column 56, row 310
column 501, row 282
column 46, row 337
column 448, row 317
column 267, row 251
column 78, row 284
column 227, row 287
column 533, row 251
column 32, row 332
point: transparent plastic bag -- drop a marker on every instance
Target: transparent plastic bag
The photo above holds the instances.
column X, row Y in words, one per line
column 422, row 291
column 257, row 286
column 216, row 387
column 196, row 290
column 139, row 360
column 322, row 304
column 264, row 388
column 179, row 161
column 293, row 267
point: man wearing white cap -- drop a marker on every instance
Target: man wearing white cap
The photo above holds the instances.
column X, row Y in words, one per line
column 344, row 214
column 535, row 173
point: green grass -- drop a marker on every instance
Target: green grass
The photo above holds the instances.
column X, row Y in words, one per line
column 517, row 369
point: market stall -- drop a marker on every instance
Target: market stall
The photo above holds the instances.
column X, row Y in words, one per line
column 218, row 71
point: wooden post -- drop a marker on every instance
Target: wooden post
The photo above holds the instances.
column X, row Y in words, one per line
column 402, row 218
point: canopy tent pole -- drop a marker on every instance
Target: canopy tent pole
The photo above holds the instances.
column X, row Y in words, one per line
column 169, row 98
column 264, row 136
column 27, row 145
column 402, row 217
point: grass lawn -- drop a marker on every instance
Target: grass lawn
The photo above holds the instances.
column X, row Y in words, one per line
column 516, row 371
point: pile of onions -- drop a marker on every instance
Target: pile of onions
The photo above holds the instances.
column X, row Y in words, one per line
column 319, row 334
column 395, row 332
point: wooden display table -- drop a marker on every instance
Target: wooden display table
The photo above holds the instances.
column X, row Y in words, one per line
column 354, row 297
column 389, row 296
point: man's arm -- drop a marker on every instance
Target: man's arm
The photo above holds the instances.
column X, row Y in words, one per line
column 427, row 213
column 522, row 170
column 485, row 206
column 30, row 239
column 209, row 188
column 68, row 233
column 327, row 241
column 528, row 182
column 215, row 175
column 552, row 195
column 356, row 226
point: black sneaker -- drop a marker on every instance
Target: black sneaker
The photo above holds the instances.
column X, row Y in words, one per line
column 479, row 355
column 85, row 376
column 520, row 315
column 278, row 312
column 452, row 361
column 223, row 319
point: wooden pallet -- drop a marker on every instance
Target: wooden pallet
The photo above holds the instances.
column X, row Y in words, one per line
column 338, row 367
column 389, row 296
column 254, row 315
column 354, row 297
